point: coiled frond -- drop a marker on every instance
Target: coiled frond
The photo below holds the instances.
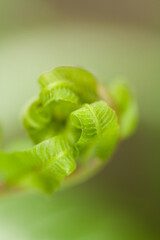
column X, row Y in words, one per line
column 70, row 126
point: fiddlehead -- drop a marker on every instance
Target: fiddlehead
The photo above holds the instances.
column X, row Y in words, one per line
column 70, row 126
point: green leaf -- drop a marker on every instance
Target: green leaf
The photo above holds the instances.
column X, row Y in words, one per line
column 98, row 127
column 127, row 107
column 87, row 85
column 55, row 156
column 46, row 116
column 59, row 91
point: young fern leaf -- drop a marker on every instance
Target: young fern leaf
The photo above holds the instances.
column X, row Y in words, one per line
column 127, row 107
column 72, row 128
column 55, row 156
column 99, row 128
column 83, row 82
column 44, row 117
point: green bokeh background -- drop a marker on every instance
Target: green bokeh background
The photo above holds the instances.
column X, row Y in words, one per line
column 122, row 201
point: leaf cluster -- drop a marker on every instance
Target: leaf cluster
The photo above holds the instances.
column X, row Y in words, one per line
column 70, row 125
